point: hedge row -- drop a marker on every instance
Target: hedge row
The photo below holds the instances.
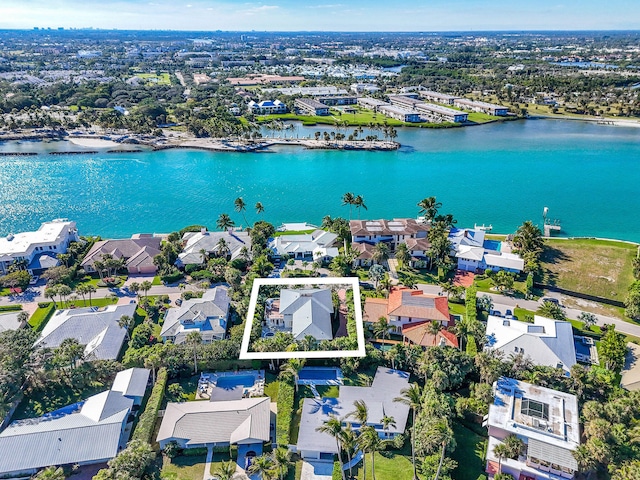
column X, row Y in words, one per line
column 285, row 410
column 147, row 423
column 10, row 308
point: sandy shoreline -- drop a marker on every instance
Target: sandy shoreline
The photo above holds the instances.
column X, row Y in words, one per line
column 93, row 142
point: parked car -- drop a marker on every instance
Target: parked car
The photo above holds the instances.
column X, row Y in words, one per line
column 495, row 313
column 551, row 300
column 34, row 280
column 178, row 301
column 508, row 314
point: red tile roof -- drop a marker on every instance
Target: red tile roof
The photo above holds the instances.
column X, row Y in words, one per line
column 419, row 334
column 404, row 302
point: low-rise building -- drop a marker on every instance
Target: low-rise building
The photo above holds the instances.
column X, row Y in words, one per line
column 437, row 97
column 11, row 321
column 341, row 100
column 311, row 106
column 359, row 88
column 405, row 101
column 400, row 113
column 208, row 316
column 95, row 328
column 267, row 107
column 545, row 342
column 132, row 383
column 232, row 242
column 318, row 245
column 51, row 239
column 545, row 420
column 302, row 312
column 393, row 232
column 481, row 107
column 371, row 103
column 137, row 252
column 438, row 113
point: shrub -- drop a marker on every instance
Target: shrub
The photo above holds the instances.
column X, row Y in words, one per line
column 194, row 452
column 336, row 474
column 147, row 423
column 285, row 411
column 192, row 267
column 44, row 304
column 172, row 449
column 172, row 277
column 472, row 348
column 11, row 308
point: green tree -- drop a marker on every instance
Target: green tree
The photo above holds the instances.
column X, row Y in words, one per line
column 381, row 328
column 264, row 467
column 403, row 255
column 429, row 208
column 259, row 208
column 358, row 202
column 293, row 367
column 333, row 428
column 50, row 473
column 613, row 348
column 224, row 222
column 552, row 310
column 241, row 207
column 348, row 199
column 194, row 339
column 145, row 287
column 380, row 252
column 412, row 397
column 588, row 319
column 632, row 302
column 226, row 470
column 376, row 273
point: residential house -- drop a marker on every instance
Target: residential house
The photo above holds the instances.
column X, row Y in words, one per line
column 365, row 254
column 420, row 334
column 210, row 242
column 96, row 328
column 11, row 321
column 481, row 107
column 51, row 239
column 137, row 251
column 267, row 107
column 406, row 307
column 546, row 341
column 245, row 422
column 359, row 88
column 419, row 250
column 387, row 385
column 366, row 233
column 302, row 312
column 547, row 422
column 311, row 106
column 132, row 383
column 85, row 433
column 316, row 246
column 208, row 316
column 475, row 254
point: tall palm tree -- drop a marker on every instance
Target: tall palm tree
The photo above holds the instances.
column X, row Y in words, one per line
column 434, row 329
column 125, row 322
column 348, row 199
column 387, row 422
column 501, row 451
column 91, row 289
column 259, row 208
column 194, row 339
column 361, row 413
column 403, row 255
column 380, row 252
column 412, row 397
column 240, row 207
column 282, row 460
column 429, row 207
column 145, row 287
column 224, row 222
column 372, row 442
column 333, row 428
column 349, row 443
column 381, row 328
column 359, row 203
column 226, row 470
column 293, row 367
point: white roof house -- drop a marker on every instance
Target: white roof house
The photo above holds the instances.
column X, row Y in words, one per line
column 97, row 328
column 52, row 237
column 194, row 424
column 308, row 311
column 10, row 321
column 206, row 315
column 132, row 383
column 209, row 241
column 91, row 434
column 472, row 258
column 316, row 244
column 546, row 420
column 545, row 341
column 386, row 385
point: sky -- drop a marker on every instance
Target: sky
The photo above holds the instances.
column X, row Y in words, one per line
column 324, row 15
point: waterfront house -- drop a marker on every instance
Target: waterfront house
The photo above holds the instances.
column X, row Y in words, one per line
column 95, row 328
column 245, row 423
column 387, row 385
column 481, row 107
column 399, row 113
column 137, row 252
column 315, row 246
column 210, row 242
column 407, row 307
column 302, row 312
column 310, row 106
column 208, row 316
column 437, row 113
column 546, row 341
column 475, row 254
column 392, row 232
column 89, row 432
column 51, row 239
column 545, row 420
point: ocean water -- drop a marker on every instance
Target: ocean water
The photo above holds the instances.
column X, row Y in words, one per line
column 500, row 174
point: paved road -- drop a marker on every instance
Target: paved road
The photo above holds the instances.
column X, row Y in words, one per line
column 503, row 301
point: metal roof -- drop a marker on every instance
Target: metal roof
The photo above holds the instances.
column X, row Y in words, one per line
column 131, row 382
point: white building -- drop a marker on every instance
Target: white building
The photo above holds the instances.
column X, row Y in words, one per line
column 481, row 107
column 49, row 240
column 546, row 420
column 437, row 97
column 474, row 259
column 371, row 103
column 212, row 242
column 316, row 245
column 267, row 107
column 302, row 312
column 400, row 113
column 395, row 231
column 364, row 88
column 207, row 315
column 441, row 114
column 545, row 341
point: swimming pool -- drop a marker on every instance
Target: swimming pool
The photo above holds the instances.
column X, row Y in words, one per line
column 231, row 381
column 320, row 376
column 492, row 245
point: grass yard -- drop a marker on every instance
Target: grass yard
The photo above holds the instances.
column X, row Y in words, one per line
column 469, row 454
column 596, row 267
column 156, row 281
column 389, row 465
column 183, row 468
column 162, row 79
column 271, row 386
column 95, row 302
column 457, row 309
column 294, row 232
column 41, row 316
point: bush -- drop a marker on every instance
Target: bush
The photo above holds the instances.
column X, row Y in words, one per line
column 336, row 474
column 472, row 348
column 147, row 423
column 172, row 449
column 194, row 452
column 44, row 304
column 192, row 267
column 285, row 411
column 172, row 277
column 15, row 308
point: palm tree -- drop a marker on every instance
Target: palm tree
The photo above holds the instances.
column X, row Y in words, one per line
column 50, row 473
column 348, row 199
column 194, row 339
column 380, row 252
column 349, row 443
column 226, row 470
column 333, row 428
column 82, row 291
column 361, row 413
column 434, row 329
column 224, row 222
column 293, row 367
column 240, row 207
column 222, row 248
column 51, row 292
column 387, row 422
column 282, row 461
column 259, row 208
column 370, row 440
column 125, row 322
column 263, row 466
column 429, row 207
column 501, row 451
column 381, row 328
column 412, row 397
column 91, row 289
column 145, row 287
column 359, row 203
column 403, row 255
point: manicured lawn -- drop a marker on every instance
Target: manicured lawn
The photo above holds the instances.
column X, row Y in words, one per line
column 457, row 308
column 294, row 232
column 469, row 454
column 183, row 468
column 156, row 281
column 162, row 79
column 95, row 302
column 390, row 465
column 40, row 317
column 271, row 386
column 595, row 267
column 518, row 290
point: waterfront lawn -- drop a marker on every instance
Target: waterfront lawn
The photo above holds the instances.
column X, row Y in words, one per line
column 601, row 268
column 469, row 454
column 486, row 286
column 183, row 467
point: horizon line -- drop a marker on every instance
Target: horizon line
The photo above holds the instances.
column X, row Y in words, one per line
column 516, row 30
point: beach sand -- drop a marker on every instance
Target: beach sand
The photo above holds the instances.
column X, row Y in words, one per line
column 93, row 142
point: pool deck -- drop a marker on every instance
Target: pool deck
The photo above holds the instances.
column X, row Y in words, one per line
column 208, row 381
column 338, row 380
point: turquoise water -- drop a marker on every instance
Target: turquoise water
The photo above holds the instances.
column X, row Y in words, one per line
column 492, row 245
column 231, row 381
column 500, row 174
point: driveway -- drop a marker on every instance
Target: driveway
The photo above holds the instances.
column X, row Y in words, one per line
column 316, row 470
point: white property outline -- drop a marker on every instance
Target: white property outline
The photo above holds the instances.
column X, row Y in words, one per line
column 245, row 354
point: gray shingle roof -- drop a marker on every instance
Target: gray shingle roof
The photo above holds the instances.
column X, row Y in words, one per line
column 197, row 241
column 311, row 312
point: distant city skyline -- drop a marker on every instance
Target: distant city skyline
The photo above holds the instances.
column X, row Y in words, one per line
column 323, row 15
